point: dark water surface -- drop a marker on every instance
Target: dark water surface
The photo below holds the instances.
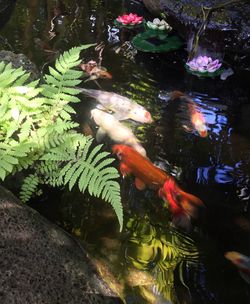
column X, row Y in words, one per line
column 153, row 262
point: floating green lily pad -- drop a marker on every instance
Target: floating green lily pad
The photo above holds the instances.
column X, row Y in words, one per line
column 129, row 26
column 156, row 42
column 204, row 74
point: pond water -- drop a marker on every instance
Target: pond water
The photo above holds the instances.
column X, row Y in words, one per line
column 152, row 261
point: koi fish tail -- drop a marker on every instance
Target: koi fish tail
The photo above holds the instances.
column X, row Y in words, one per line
column 170, row 192
column 190, row 204
column 183, row 205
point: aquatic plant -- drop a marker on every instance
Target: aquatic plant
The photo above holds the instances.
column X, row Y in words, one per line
column 156, row 42
column 38, row 134
column 204, row 64
column 130, row 19
column 160, row 25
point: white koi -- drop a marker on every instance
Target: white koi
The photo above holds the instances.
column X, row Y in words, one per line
column 123, row 107
column 119, row 133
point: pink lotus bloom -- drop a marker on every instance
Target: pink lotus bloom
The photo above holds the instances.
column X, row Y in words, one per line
column 204, row 64
column 130, row 19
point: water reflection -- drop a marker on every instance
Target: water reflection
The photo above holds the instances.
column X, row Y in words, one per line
column 160, row 251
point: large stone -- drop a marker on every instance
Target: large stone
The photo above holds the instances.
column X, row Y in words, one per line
column 41, row 264
column 227, row 30
column 20, row 60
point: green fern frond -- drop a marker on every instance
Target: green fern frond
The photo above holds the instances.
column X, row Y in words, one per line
column 9, row 156
column 61, row 126
column 29, row 187
column 91, row 171
column 37, row 133
column 49, row 171
column 10, row 75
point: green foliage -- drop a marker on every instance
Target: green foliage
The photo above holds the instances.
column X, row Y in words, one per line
column 156, row 42
column 37, row 133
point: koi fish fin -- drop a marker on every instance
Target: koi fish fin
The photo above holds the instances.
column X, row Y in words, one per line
column 100, row 134
column 139, row 184
column 245, row 276
column 187, row 128
column 120, row 116
column 101, row 107
column 92, row 77
column 182, row 220
column 124, row 169
column 190, row 204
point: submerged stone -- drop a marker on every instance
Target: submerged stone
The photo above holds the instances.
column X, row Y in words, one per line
column 40, row 263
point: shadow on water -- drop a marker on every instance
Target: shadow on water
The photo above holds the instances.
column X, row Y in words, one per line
column 153, row 261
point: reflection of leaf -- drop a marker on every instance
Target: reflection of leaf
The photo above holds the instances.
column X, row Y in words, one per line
column 159, row 251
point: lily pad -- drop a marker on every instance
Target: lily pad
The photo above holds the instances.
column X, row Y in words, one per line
column 129, row 26
column 204, row 74
column 156, row 42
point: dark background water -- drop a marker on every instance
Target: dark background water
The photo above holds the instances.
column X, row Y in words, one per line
column 215, row 168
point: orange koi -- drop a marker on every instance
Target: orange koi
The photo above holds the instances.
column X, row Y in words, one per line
column 182, row 204
column 146, row 174
column 197, row 118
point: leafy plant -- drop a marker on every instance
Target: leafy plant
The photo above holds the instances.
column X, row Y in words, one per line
column 37, row 133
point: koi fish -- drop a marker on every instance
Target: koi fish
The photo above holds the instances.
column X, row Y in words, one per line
column 197, row 118
column 242, row 262
column 115, row 130
column 146, row 173
column 94, row 71
column 88, row 66
column 123, row 107
column 182, row 204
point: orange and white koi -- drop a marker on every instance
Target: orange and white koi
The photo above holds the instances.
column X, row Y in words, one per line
column 242, row 262
column 197, row 118
column 94, row 71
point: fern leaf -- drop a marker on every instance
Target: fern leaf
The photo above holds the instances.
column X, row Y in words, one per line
column 92, row 172
column 29, row 187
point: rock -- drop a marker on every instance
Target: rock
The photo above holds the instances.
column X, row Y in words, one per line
column 20, row 60
column 40, row 263
column 228, row 28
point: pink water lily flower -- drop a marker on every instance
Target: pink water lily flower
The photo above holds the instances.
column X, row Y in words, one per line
column 204, row 64
column 130, row 19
